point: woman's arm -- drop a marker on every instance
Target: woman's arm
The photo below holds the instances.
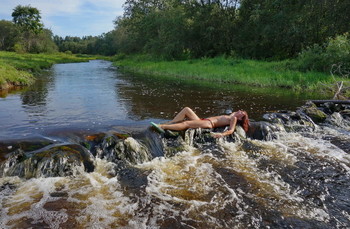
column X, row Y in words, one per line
column 233, row 123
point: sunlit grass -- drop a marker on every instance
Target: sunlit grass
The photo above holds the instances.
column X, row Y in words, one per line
column 9, row 74
column 230, row 70
column 19, row 69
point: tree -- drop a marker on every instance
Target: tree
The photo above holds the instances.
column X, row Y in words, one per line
column 27, row 18
column 8, row 35
column 32, row 37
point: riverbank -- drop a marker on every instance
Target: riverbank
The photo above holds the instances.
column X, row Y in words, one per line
column 20, row 69
column 230, row 70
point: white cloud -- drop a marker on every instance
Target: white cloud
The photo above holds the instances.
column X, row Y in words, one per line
column 86, row 17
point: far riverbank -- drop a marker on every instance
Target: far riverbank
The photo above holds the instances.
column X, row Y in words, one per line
column 279, row 74
column 20, row 69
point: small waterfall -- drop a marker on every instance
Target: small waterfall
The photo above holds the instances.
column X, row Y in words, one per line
column 291, row 170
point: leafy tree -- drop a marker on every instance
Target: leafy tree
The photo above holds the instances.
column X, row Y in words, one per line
column 9, row 35
column 282, row 28
column 27, row 18
column 34, row 38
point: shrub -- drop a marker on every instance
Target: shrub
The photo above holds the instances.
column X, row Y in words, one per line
column 19, row 48
column 335, row 52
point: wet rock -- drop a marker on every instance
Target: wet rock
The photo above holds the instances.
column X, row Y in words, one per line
column 24, row 145
column 114, row 149
column 291, row 121
column 345, row 113
column 13, row 159
column 311, row 110
column 60, row 161
column 263, row 131
column 331, row 107
column 133, row 179
column 173, row 146
column 198, row 137
column 336, row 119
column 132, row 151
column 239, row 133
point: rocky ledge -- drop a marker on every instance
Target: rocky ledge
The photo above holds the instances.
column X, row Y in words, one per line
column 45, row 158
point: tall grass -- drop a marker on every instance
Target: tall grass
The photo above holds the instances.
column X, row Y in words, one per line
column 221, row 69
column 19, row 69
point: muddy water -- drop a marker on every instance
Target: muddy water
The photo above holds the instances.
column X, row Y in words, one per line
column 298, row 180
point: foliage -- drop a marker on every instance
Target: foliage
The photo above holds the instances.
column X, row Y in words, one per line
column 9, row 35
column 333, row 54
column 177, row 30
column 26, row 32
column 27, row 18
column 282, row 28
column 103, row 44
column 269, row 29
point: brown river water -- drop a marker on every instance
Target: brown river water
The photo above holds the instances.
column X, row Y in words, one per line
column 299, row 179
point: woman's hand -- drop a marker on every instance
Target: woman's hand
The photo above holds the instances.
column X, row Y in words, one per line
column 217, row 135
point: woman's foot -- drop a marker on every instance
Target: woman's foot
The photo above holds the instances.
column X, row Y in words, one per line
column 158, row 127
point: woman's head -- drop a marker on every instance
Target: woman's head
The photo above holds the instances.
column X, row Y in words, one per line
column 243, row 120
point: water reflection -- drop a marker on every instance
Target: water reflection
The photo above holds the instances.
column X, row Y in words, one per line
column 96, row 96
column 161, row 98
column 34, row 99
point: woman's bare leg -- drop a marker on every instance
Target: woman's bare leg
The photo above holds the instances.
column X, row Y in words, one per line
column 187, row 124
column 183, row 114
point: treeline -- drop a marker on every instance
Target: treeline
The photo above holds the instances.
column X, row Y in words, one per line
column 259, row 29
column 13, row 38
column 101, row 45
column 313, row 30
column 26, row 34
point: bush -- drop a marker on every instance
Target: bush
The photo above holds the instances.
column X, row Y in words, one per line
column 19, row 48
column 323, row 58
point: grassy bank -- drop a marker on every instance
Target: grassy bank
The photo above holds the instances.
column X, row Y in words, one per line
column 229, row 70
column 20, row 69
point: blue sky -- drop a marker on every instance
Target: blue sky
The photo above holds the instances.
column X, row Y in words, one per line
column 71, row 17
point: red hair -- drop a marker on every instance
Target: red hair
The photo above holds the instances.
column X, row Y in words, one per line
column 244, row 122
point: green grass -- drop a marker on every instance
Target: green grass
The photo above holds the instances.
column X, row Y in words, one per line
column 229, row 70
column 20, row 69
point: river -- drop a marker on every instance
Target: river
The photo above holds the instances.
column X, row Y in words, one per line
column 297, row 179
column 96, row 96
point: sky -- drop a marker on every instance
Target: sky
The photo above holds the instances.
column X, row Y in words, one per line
column 71, row 17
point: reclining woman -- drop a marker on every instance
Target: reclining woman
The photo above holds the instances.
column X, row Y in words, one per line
column 186, row 119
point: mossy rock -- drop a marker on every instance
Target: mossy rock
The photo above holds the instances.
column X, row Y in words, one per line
column 315, row 114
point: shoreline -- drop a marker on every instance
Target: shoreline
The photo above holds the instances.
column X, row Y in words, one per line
column 20, row 70
column 275, row 74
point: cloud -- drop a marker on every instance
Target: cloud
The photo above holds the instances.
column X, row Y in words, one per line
column 71, row 17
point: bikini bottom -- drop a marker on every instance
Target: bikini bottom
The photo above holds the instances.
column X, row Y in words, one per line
column 211, row 122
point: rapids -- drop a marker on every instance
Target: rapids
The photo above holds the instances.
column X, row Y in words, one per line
column 76, row 151
column 295, row 175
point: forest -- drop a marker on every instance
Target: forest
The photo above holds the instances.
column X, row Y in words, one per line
column 316, row 31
